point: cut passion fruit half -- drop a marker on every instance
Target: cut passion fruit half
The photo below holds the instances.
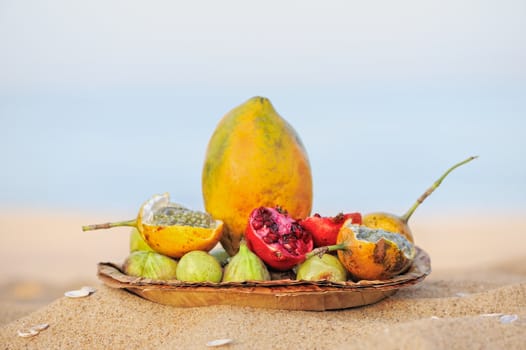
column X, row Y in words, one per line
column 374, row 254
column 170, row 228
column 370, row 253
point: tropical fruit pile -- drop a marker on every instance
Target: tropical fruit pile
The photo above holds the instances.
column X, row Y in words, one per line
column 257, row 224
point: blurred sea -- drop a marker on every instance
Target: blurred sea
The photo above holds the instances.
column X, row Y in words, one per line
column 371, row 147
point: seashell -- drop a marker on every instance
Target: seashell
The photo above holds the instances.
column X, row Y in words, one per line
column 39, row 327
column 505, row 319
column 219, row 342
column 491, row 315
column 80, row 293
column 27, row 334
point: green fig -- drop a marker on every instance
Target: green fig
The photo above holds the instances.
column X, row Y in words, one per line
column 327, row 267
column 245, row 266
column 199, row 266
column 150, row 264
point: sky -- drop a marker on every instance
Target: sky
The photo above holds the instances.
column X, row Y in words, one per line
column 105, row 103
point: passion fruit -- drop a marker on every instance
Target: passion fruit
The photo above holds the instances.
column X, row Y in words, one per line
column 370, row 254
column 171, row 229
column 373, row 254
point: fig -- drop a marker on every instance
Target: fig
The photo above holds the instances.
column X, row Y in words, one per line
column 137, row 242
column 276, row 238
column 171, row 229
column 254, row 158
column 399, row 224
column 199, row 266
column 245, row 266
column 324, row 229
column 327, row 267
column 150, row 264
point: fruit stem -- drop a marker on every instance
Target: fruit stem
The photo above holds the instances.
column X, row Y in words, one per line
column 132, row 223
column 407, row 215
column 324, row 250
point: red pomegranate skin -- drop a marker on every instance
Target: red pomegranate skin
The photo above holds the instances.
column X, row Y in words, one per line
column 324, row 229
column 276, row 238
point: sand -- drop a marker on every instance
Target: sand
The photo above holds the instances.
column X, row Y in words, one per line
column 475, row 298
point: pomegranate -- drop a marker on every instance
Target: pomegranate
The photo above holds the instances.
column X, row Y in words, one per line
column 276, row 238
column 324, row 229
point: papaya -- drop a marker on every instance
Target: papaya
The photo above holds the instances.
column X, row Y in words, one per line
column 254, row 158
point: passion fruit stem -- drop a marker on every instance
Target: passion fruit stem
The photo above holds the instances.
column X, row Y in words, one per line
column 324, row 250
column 131, row 223
column 407, row 215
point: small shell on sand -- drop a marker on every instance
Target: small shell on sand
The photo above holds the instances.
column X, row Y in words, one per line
column 40, row 327
column 219, row 342
column 79, row 293
column 491, row 315
column 27, row 334
column 505, row 319
column 31, row 332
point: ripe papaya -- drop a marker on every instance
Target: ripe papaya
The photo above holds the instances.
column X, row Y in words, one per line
column 254, row 158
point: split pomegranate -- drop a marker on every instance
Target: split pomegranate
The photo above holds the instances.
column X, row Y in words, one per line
column 276, row 238
column 324, row 229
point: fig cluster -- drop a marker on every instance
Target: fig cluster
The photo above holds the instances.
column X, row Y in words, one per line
column 195, row 266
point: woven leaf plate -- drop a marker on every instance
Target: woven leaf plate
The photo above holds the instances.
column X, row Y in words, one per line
column 276, row 294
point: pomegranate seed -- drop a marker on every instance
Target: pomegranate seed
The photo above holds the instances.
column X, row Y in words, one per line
column 291, row 247
column 267, row 239
column 272, row 237
column 257, row 224
column 296, row 230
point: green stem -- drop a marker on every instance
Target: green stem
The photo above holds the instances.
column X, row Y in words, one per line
column 324, row 250
column 430, row 190
column 131, row 223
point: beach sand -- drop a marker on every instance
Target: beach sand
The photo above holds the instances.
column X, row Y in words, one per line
column 475, row 297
